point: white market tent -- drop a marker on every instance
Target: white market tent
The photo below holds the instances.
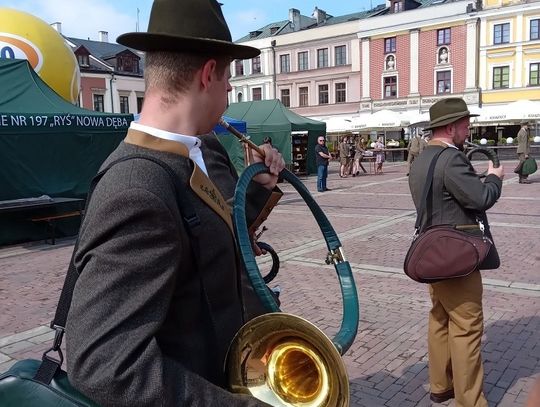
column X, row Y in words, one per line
column 509, row 113
column 381, row 120
column 338, row 125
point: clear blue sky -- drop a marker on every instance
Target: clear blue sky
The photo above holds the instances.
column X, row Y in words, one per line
column 84, row 18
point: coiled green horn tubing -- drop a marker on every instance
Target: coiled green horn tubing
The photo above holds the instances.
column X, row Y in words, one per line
column 351, row 313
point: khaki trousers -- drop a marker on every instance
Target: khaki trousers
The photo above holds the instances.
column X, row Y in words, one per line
column 454, row 336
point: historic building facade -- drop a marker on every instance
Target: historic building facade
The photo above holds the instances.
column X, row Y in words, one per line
column 509, row 48
column 402, row 56
column 111, row 74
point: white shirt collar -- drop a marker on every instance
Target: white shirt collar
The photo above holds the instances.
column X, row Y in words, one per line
column 450, row 145
column 193, row 143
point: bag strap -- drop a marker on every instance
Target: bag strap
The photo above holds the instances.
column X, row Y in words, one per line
column 49, row 364
column 428, row 186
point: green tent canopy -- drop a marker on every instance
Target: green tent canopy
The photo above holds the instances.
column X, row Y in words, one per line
column 47, row 147
column 270, row 118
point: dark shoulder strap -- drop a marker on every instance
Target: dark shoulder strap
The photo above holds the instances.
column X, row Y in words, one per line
column 49, row 364
column 428, row 188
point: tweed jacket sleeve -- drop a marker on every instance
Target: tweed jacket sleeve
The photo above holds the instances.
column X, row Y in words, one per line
column 464, row 185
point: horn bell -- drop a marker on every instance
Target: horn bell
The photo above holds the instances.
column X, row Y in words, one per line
column 285, row 360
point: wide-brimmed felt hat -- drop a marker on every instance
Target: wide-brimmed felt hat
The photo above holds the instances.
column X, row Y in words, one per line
column 446, row 111
column 524, row 122
column 194, row 26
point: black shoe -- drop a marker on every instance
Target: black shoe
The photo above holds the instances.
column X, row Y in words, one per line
column 442, row 397
column 524, row 181
column 327, row 189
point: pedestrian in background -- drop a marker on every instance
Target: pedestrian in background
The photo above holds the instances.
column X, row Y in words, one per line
column 458, row 197
column 344, row 150
column 416, row 145
column 379, row 155
column 358, row 156
column 322, row 157
column 523, row 150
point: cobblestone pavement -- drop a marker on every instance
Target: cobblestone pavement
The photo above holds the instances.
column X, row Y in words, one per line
column 374, row 217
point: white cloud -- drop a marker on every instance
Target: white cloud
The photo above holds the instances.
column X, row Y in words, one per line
column 81, row 18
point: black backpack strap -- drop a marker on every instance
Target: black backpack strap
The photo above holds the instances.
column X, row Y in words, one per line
column 50, row 365
column 428, row 186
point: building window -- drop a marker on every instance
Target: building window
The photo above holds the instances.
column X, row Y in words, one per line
column 501, row 33
column 286, row 97
column 389, row 45
column 535, row 29
column 534, row 70
column 303, row 61
column 322, row 58
column 444, row 82
column 239, row 97
column 341, row 96
column 239, row 67
column 303, row 96
column 83, row 60
column 256, row 65
column 126, row 63
column 256, row 94
column 397, row 7
column 390, row 87
column 99, row 105
column 323, row 94
column 285, row 63
column 341, row 55
column 501, row 77
column 140, row 101
column 443, row 36
column 124, row 104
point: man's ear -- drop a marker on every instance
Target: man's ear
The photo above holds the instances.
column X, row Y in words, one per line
column 208, row 73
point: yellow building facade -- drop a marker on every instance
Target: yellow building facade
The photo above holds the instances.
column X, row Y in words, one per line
column 509, row 51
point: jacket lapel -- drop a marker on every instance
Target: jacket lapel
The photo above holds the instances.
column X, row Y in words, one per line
column 201, row 185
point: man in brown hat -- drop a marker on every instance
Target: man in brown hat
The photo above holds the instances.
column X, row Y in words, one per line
column 457, row 197
column 523, row 150
column 160, row 292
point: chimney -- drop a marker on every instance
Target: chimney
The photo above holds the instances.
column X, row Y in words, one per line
column 103, row 36
column 319, row 15
column 294, row 18
column 57, row 26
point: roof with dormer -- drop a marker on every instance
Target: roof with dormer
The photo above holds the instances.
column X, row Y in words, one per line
column 285, row 26
column 102, row 52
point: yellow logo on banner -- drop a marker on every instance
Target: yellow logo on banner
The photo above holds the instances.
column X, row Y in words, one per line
column 24, row 36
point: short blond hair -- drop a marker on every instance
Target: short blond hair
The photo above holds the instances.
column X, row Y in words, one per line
column 173, row 72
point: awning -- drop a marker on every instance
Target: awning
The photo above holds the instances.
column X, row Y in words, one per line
column 381, row 120
column 508, row 113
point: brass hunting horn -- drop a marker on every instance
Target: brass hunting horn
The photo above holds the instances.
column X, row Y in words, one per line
column 280, row 358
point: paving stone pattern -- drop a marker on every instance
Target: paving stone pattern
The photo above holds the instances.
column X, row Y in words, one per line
column 374, row 217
